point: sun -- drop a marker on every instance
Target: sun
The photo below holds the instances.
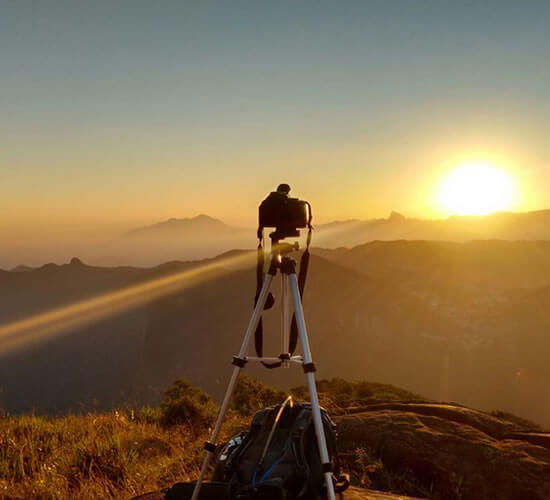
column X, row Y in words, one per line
column 477, row 189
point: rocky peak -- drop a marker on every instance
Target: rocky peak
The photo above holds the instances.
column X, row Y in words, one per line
column 396, row 217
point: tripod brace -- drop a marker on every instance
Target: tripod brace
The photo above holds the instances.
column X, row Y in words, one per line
column 291, row 289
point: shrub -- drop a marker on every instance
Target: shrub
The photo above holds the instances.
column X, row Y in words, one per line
column 185, row 404
column 337, row 392
column 147, row 415
column 251, row 395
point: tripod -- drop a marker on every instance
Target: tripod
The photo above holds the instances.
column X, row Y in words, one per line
column 290, row 289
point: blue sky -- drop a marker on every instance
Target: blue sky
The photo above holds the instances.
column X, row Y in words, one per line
column 139, row 110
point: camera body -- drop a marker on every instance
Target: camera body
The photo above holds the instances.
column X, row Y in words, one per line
column 283, row 213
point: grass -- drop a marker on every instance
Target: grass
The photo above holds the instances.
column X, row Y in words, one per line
column 111, row 455
column 125, row 453
column 90, row 456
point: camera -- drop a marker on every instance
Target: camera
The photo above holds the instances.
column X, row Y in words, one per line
column 283, row 213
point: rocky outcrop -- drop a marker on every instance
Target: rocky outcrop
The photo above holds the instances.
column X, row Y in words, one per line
column 361, row 494
column 351, row 494
column 452, row 451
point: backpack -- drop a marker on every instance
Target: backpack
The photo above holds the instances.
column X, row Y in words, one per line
column 278, row 458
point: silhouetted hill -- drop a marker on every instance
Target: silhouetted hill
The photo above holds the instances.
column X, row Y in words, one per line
column 432, row 267
column 454, row 321
column 21, row 269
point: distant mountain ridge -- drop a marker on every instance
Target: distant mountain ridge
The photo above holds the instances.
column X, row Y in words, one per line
column 204, row 236
column 201, row 222
column 21, row 268
column 500, row 225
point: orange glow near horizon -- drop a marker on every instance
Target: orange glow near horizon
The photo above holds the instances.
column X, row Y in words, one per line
column 477, row 189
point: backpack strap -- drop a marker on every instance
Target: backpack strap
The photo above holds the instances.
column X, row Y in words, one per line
column 298, row 435
column 330, row 434
column 280, row 409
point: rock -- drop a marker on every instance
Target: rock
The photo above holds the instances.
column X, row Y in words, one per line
column 453, row 451
column 351, row 494
column 361, row 494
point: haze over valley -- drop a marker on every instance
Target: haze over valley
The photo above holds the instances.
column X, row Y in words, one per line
column 204, row 236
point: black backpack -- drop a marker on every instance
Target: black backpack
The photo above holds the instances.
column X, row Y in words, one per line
column 278, row 458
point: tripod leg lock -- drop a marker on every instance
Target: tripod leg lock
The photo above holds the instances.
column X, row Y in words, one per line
column 273, row 266
column 326, row 468
column 309, row 367
column 240, row 362
column 210, row 447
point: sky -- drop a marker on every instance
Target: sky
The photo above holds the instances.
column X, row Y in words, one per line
column 117, row 113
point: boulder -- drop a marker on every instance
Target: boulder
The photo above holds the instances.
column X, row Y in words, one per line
column 351, row 494
column 452, row 451
column 362, row 494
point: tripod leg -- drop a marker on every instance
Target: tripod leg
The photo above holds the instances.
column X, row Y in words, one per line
column 210, row 446
column 310, row 376
column 285, row 303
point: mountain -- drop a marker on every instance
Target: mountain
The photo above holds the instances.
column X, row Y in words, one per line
column 425, row 316
column 177, row 239
column 496, row 291
column 484, row 271
column 21, row 268
column 502, row 225
column 179, row 227
column 205, row 237
column 454, row 321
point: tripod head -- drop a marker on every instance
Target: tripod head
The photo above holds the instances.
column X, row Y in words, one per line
column 278, row 248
